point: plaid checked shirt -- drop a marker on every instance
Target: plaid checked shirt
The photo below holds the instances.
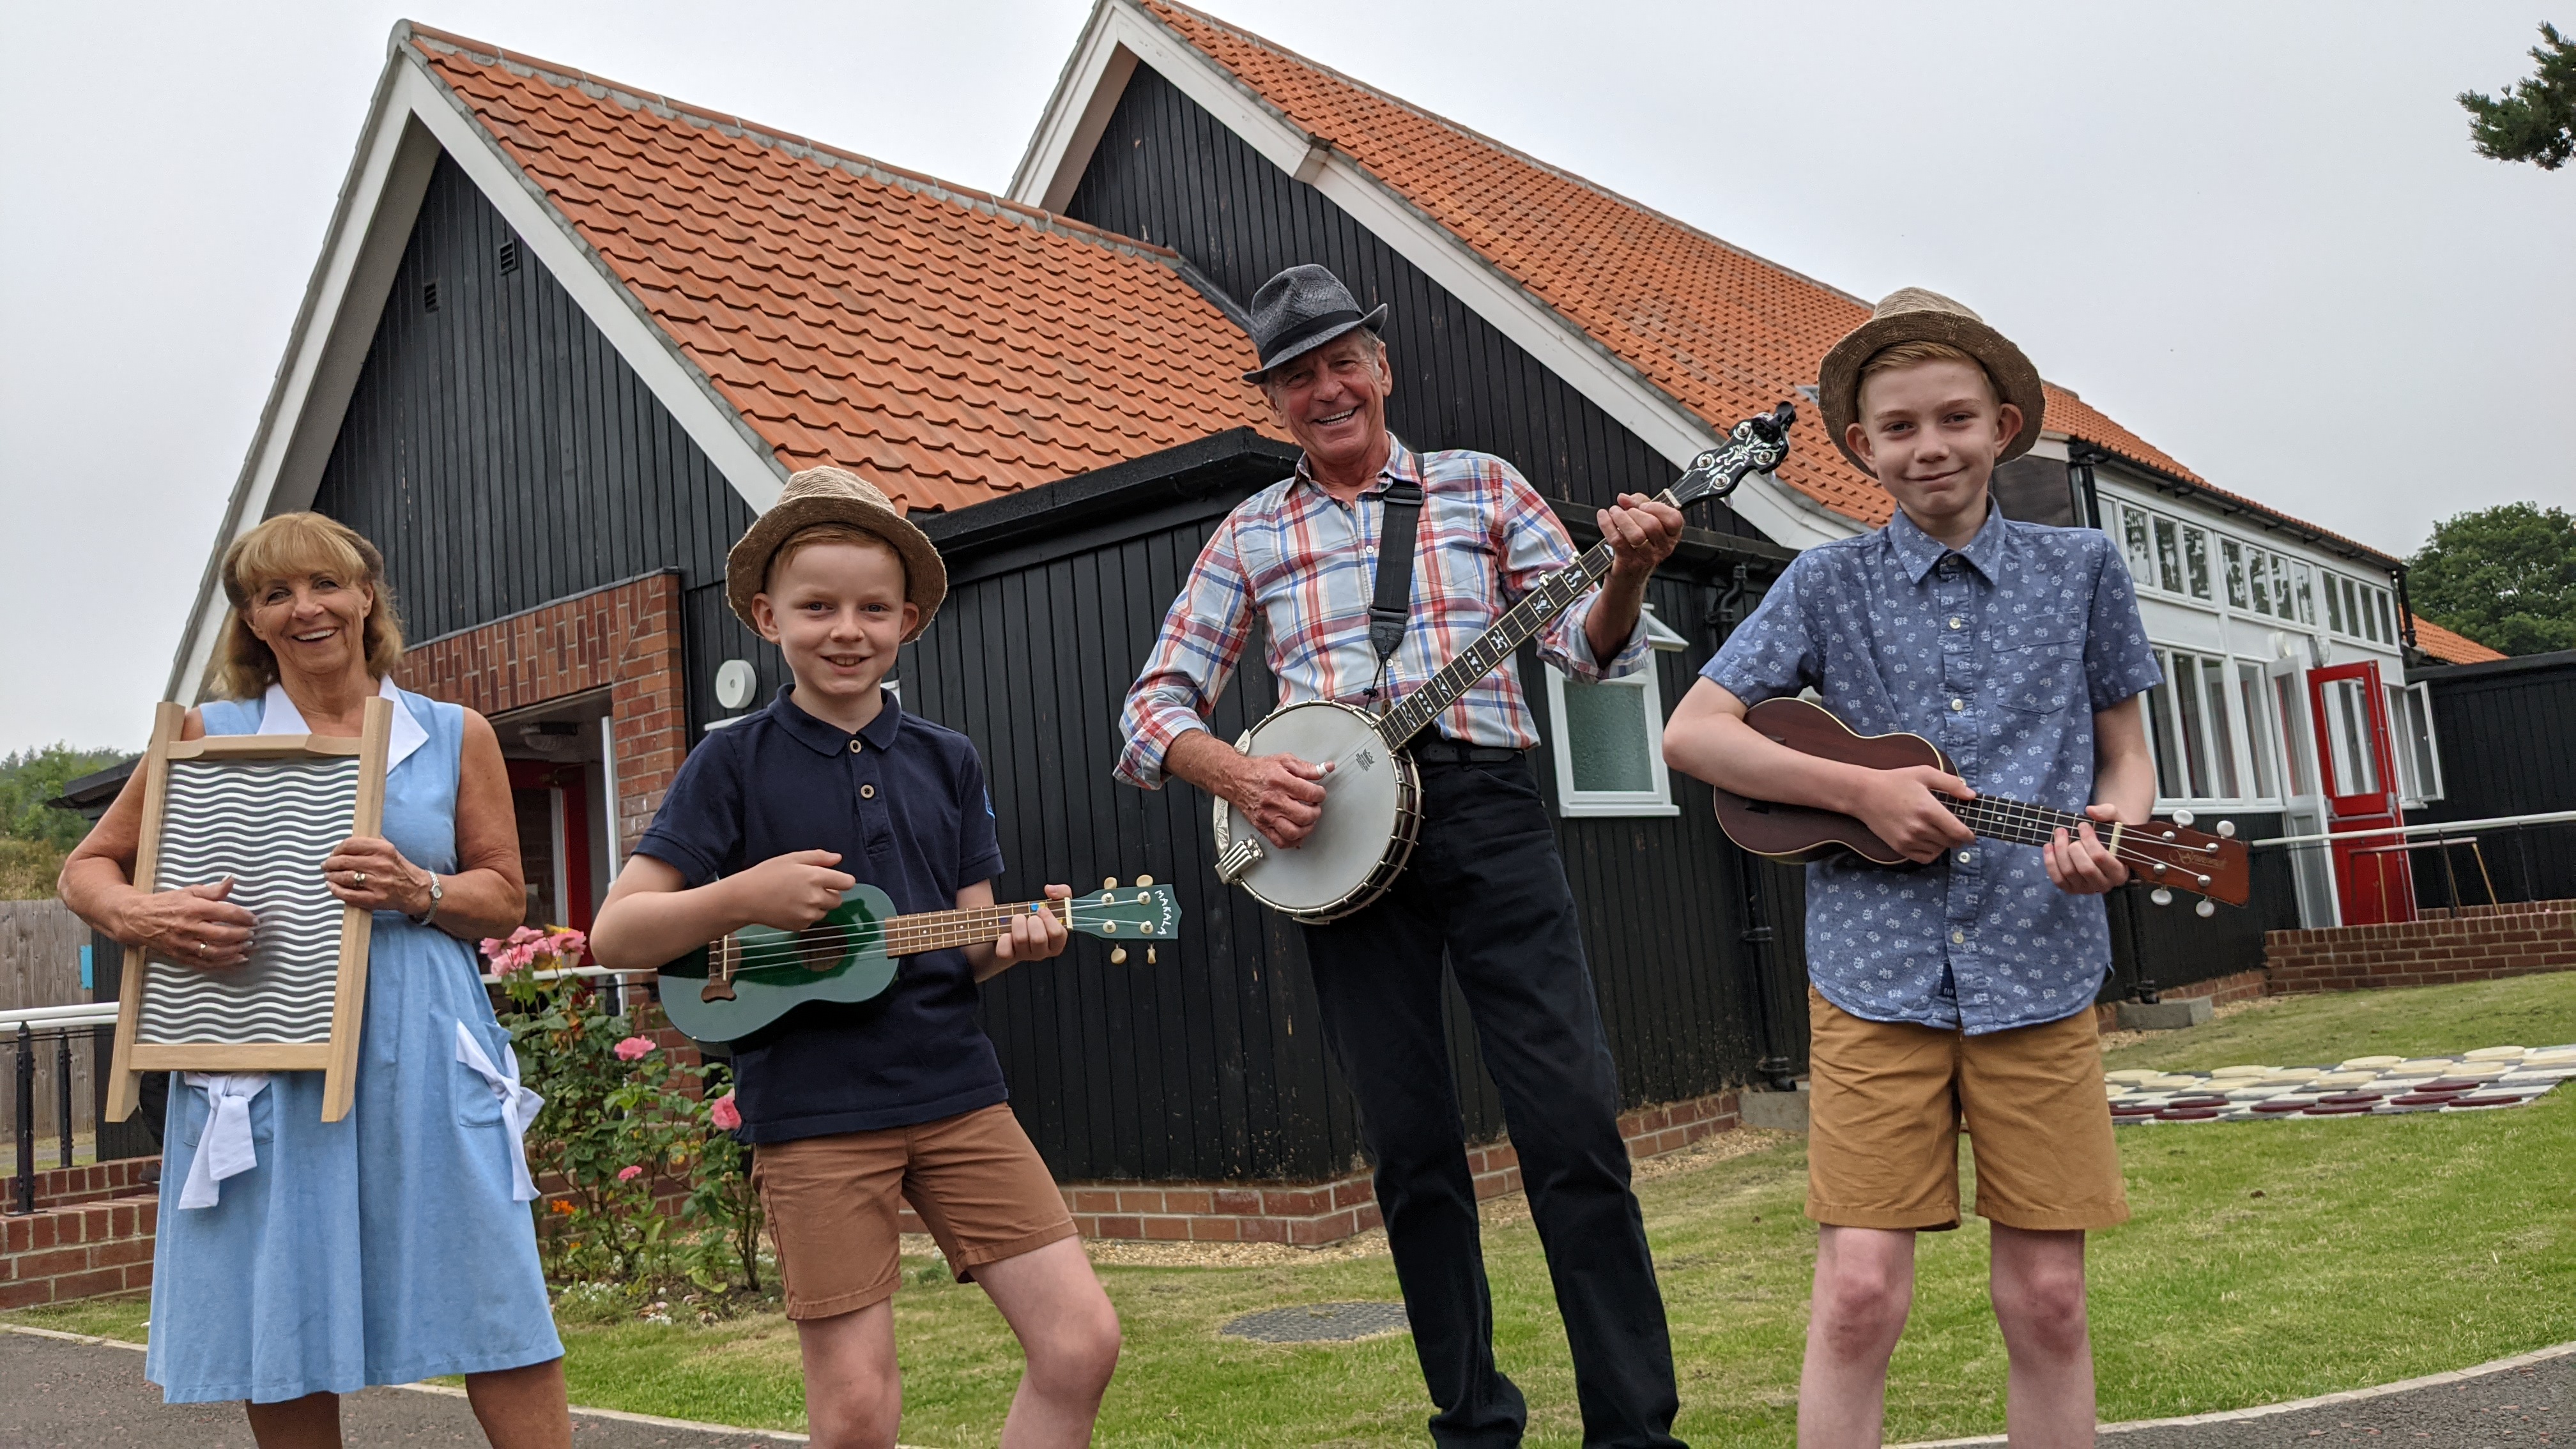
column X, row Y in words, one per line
column 1309, row 564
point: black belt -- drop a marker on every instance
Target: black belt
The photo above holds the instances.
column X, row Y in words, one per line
column 1454, row 752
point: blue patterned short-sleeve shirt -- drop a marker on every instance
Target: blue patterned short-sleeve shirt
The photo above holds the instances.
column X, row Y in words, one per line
column 2001, row 654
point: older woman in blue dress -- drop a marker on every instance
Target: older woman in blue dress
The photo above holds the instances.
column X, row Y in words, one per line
column 299, row 1259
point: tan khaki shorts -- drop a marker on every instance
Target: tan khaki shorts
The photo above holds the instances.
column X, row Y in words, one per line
column 1887, row 1100
column 978, row 1184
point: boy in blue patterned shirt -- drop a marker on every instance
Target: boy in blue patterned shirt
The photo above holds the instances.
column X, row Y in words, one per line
column 1960, row 991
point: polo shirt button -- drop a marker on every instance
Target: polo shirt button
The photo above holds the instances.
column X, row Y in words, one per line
column 854, row 747
column 1957, row 705
column 867, row 792
column 1958, row 938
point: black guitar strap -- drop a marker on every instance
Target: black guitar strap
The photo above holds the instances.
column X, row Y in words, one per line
column 1399, row 537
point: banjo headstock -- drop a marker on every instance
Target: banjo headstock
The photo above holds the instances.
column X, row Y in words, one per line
column 1756, row 445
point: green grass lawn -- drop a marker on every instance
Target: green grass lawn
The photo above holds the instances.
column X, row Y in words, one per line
column 2267, row 1260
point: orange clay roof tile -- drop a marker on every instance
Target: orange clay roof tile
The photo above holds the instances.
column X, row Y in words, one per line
column 951, row 347
column 2449, row 647
column 1719, row 330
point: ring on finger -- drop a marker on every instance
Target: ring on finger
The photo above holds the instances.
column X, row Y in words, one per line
column 357, row 877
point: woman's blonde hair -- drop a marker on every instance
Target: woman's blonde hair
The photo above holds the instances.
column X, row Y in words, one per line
column 289, row 546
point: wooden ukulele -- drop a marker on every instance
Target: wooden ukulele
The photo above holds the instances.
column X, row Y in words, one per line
column 2166, row 856
column 726, row 991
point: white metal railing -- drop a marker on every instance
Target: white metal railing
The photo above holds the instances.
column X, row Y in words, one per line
column 2446, row 827
column 495, row 978
column 87, row 1013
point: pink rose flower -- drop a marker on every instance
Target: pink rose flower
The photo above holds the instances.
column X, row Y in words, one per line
column 634, row 1048
column 727, row 1116
column 629, row 1174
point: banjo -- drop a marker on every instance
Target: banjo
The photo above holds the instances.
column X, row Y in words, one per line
column 1373, row 791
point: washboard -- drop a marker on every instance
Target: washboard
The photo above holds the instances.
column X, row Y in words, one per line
column 266, row 810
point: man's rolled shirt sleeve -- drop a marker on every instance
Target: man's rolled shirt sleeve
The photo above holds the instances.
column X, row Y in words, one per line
column 2118, row 660
column 1774, row 651
column 1194, row 656
column 1532, row 544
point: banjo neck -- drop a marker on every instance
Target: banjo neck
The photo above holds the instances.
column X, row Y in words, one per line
column 1517, row 626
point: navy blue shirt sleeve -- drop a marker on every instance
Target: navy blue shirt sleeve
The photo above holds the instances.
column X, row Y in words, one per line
column 698, row 830
column 979, row 849
column 2118, row 660
column 1775, row 651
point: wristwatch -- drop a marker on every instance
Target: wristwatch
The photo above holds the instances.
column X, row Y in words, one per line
column 436, row 894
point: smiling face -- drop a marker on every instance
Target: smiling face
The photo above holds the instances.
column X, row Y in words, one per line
column 836, row 608
column 1932, row 431
column 315, row 623
column 1333, row 402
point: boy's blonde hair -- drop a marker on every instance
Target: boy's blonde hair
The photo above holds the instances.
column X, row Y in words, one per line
column 290, row 546
column 816, row 534
column 1908, row 354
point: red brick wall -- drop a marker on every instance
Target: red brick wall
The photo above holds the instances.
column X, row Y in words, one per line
column 625, row 639
column 66, row 1186
column 67, row 1253
column 2478, row 943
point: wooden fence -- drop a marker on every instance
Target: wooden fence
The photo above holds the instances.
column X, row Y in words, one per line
column 40, row 946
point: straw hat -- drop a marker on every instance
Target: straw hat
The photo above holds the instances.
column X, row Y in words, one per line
column 836, row 495
column 1915, row 315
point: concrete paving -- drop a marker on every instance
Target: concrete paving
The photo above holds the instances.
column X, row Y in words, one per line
column 62, row 1393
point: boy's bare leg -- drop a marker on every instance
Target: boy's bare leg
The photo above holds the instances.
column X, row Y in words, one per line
column 1054, row 1302
column 853, row 1387
column 1864, row 1288
column 311, row 1422
column 2038, row 1288
column 522, row 1408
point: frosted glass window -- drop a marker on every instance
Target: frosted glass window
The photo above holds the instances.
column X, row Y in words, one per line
column 1605, row 727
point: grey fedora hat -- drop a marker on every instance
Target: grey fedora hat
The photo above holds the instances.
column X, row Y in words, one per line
column 1300, row 310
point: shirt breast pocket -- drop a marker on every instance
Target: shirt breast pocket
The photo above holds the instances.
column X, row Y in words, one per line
column 2042, row 678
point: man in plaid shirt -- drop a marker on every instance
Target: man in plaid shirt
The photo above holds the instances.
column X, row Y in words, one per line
column 1485, row 884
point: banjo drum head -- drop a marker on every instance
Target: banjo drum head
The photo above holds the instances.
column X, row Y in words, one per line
column 1362, row 799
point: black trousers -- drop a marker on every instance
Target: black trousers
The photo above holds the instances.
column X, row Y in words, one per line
column 1487, row 884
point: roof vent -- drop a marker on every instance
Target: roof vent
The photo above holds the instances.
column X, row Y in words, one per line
column 509, row 256
column 429, row 296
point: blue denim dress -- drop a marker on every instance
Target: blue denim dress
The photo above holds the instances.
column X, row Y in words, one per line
column 385, row 1247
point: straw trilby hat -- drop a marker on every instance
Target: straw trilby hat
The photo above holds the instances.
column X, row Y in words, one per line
column 1915, row 315
column 836, row 495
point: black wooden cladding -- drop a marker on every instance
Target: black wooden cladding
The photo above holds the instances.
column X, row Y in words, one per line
column 1167, row 171
column 503, row 456
column 2174, row 945
column 2507, row 731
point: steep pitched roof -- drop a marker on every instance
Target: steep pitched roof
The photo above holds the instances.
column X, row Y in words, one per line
column 2449, row 647
column 1721, row 331
column 948, row 345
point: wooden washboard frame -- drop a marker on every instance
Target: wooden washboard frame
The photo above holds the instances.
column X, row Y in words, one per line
column 337, row 1057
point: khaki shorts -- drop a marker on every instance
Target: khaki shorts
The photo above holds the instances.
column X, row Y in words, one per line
column 1887, row 1101
column 978, row 1184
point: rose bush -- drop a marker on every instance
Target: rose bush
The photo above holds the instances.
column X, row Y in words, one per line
column 653, row 1188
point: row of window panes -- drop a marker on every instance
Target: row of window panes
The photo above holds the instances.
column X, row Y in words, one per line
column 2210, row 725
column 2174, row 557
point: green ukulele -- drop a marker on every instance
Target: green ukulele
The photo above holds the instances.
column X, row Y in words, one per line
column 724, row 992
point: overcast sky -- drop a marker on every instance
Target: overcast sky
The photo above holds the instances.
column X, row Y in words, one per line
column 2255, row 234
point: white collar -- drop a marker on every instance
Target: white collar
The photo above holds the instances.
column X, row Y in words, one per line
column 279, row 716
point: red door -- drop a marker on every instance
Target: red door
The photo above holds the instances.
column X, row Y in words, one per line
column 554, row 840
column 2358, row 765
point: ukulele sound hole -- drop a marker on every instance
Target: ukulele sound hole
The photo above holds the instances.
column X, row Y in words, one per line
column 818, row 949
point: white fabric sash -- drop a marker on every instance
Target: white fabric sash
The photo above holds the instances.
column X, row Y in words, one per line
column 224, row 1148
column 518, row 1106
column 279, row 716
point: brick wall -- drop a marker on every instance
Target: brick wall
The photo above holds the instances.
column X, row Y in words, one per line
column 1307, row 1214
column 2476, row 943
column 85, row 1251
column 67, row 1186
column 624, row 638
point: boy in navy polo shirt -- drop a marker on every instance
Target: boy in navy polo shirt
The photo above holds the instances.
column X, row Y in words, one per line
column 854, row 1109
column 1962, row 990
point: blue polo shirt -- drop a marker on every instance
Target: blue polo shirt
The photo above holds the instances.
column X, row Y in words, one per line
column 904, row 802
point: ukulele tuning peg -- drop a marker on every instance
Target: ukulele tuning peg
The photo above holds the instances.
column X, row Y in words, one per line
column 2182, row 817
column 1110, row 884
column 1117, row 955
column 1149, row 955
column 2161, row 895
column 2227, row 830
column 1144, row 880
column 2206, row 909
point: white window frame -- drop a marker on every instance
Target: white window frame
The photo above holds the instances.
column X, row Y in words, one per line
column 1658, row 801
column 2409, row 705
column 2243, row 738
